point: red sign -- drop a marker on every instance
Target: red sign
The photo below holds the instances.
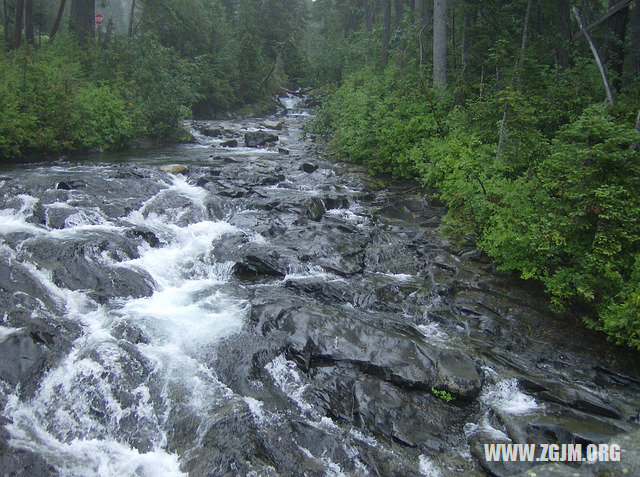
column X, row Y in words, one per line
column 99, row 19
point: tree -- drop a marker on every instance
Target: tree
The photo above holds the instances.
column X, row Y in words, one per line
column 615, row 45
column 81, row 21
column 440, row 43
column 28, row 22
column 386, row 33
column 398, row 13
column 58, row 20
column 368, row 17
column 634, row 56
column 564, row 28
column 17, row 22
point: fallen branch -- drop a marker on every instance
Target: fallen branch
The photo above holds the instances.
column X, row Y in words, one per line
column 612, row 11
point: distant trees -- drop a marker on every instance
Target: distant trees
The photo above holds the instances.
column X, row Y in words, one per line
column 82, row 18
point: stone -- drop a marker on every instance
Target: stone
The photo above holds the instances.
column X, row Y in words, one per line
column 309, row 168
column 283, row 150
column 315, row 209
column 259, row 138
column 276, row 125
column 229, row 143
column 174, row 169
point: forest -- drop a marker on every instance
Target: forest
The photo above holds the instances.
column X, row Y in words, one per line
column 521, row 116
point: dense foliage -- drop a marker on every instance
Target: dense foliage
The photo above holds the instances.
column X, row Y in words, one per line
column 555, row 199
column 177, row 59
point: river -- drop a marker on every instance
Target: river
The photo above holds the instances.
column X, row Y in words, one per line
column 271, row 312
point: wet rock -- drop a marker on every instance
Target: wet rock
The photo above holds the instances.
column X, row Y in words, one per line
column 71, row 185
column 316, row 333
column 283, row 150
column 22, row 357
column 257, row 261
column 229, row 143
column 130, row 332
column 412, row 418
column 174, row 169
column 276, row 125
column 259, row 138
column 503, row 468
column 315, row 209
column 458, row 375
column 18, row 462
column 211, row 131
column 309, row 168
column 145, row 234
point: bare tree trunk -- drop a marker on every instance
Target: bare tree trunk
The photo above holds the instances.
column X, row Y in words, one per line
column 28, row 22
column 58, row 20
column 594, row 50
column 464, row 47
column 616, row 42
column 564, row 27
column 81, row 21
column 6, row 23
column 368, row 20
column 17, row 23
column 634, row 51
column 418, row 14
column 398, row 12
column 440, row 43
column 523, row 49
column 386, row 32
column 132, row 15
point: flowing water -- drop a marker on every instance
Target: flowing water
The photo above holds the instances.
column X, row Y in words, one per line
column 269, row 312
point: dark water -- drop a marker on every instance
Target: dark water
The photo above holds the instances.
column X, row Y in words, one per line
column 272, row 314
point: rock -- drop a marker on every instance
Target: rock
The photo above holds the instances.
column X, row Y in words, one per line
column 276, row 125
column 324, row 334
column 230, row 143
column 458, row 375
column 315, row 209
column 22, row 357
column 259, row 138
column 174, row 169
column 283, row 150
column 308, row 168
column 211, row 131
column 71, row 185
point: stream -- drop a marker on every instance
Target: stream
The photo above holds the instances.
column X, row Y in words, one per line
column 267, row 311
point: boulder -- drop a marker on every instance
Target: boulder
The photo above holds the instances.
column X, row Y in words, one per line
column 283, row 150
column 259, row 138
column 315, row 209
column 229, row 143
column 276, row 125
column 309, row 168
column 174, row 169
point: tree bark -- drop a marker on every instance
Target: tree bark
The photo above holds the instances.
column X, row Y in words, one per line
column 464, row 46
column 564, row 27
column 634, row 51
column 596, row 55
column 132, row 15
column 386, row 32
column 58, row 20
column 368, row 20
column 28, row 22
column 6, row 23
column 523, row 49
column 81, row 21
column 616, row 42
column 419, row 14
column 398, row 12
column 17, row 23
column 440, row 43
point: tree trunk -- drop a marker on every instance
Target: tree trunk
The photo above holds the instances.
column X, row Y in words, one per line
column 440, row 43
column 634, row 51
column 616, row 42
column 419, row 14
column 564, row 27
column 464, row 46
column 523, row 50
column 386, row 32
column 398, row 13
column 81, row 21
column 58, row 20
column 594, row 50
column 132, row 15
column 17, row 23
column 28, row 22
column 368, row 20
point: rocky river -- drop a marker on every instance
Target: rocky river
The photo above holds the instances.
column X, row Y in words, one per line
column 210, row 309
